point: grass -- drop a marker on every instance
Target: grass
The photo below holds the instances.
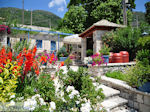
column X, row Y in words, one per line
column 116, row 75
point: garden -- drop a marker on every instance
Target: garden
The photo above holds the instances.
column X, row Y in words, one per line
column 137, row 46
column 28, row 84
column 25, row 84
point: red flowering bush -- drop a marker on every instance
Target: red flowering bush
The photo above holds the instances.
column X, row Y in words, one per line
column 26, row 59
column 4, row 28
column 4, row 57
column 97, row 59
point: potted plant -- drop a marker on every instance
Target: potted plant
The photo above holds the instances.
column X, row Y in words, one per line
column 62, row 54
column 89, row 52
column 105, row 53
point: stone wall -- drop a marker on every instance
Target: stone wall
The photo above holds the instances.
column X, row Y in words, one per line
column 102, row 69
column 136, row 99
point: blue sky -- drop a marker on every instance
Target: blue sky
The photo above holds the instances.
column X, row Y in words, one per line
column 57, row 7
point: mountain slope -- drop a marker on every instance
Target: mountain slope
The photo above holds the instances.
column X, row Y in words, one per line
column 40, row 17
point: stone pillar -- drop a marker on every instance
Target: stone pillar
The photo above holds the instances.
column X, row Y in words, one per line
column 3, row 40
column 97, row 45
column 83, row 49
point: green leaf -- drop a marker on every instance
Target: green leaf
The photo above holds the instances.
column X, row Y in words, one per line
column 1, row 80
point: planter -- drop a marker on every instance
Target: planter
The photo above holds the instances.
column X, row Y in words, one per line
column 106, row 58
column 125, row 56
column 145, row 87
column 111, row 57
column 62, row 58
column 117, row 58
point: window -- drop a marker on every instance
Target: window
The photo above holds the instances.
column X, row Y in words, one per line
column 22, row 39
column 39, row 43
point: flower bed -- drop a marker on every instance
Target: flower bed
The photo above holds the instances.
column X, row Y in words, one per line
column 29, row 89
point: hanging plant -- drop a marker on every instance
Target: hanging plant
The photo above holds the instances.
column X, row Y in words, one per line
column 4, row 28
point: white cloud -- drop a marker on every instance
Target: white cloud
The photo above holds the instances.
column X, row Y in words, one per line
column 60, row 9
column 57, row 3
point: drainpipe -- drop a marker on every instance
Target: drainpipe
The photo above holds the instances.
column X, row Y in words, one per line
column 28, row 36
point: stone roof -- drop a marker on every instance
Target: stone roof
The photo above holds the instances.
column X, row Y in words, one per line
column 105, row 22
column 103, row 25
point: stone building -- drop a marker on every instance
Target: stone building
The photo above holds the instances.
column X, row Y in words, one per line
column 91, row 38
column 43, row 40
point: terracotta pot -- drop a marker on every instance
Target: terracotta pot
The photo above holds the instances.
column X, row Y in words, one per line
column 125, row 56
column 111, row 57
column 117, row 58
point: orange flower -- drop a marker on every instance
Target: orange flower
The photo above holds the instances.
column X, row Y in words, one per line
column 37, row 72
column 43, row 59
column 61, row 64
column 34, row 50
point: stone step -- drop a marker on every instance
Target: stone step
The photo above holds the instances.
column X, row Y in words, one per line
column 114, row 102
column 124, row 108
column 109, row 92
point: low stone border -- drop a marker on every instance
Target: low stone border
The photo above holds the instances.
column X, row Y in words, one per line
column 102, row 69
column 136, row 99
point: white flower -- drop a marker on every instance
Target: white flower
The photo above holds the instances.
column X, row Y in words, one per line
column 35, row 96
column 52, row 106
column 74, row 109
column 77, row 102
column 73, row 93
column 42, row 101
column 96, row 84
column 63, row 99
column 86, row 107
column 12, row 103
column 92, row 78
column 12, row 96
column 30, row 104
column 70, row 88
column 21, row 98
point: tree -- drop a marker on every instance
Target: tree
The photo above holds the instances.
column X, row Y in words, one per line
column 147, row 15
column 74, row 19
column 102, row 9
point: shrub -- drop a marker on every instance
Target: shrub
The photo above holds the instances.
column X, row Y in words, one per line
column 8, row 81
column 116, row 75
column 82, row 82
column 143, row 56
column 137, row 75
column 68, row 62
column 89, row 52
column 144, row 42
column 44, row 87
column 105, row 50
column 62, row 52
column 125, row 39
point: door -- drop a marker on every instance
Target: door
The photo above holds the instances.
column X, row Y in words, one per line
column 53, row 47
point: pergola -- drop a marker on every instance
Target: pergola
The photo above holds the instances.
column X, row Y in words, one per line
column 73, row 41
column 43, row 31
column 91, row 38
